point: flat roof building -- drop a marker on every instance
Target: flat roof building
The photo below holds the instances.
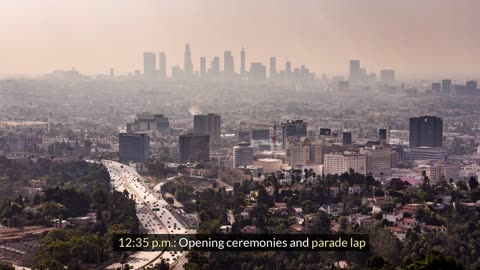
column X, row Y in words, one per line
column 193, row 148
column 133, row 147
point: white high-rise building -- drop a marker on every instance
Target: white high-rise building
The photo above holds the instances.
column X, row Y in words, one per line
column 299, row 154
column 338, row 163
column 378, row 160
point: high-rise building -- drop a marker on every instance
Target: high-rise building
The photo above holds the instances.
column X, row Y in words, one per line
column 242, row 62
column 162, row 65
column 337, row 163
column 288, row 68
column 384, row 135
column 188, row 65
column 133, row 147
column 258, row 71
column 273, row 67
column 209, row 124
column 387, row 75
column 378, row 160
column 471, row 85
column 299, row 154
column 346, row 138
column 446, row 87
column 355, row 71
column 214, row 70
column 319, row 150
column 436, row 88
column 228, row 65
column 193, row 148
column 203, row 66
column 426, row 131
column 149, row 65
column 292, row 131
column 242, row 155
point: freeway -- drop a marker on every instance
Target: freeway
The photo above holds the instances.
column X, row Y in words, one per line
column 156, row 216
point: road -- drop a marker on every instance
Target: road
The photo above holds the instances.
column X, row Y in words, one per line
column 160, row 221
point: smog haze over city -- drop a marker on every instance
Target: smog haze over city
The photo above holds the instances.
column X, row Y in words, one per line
column 415, row 37
column 246, row 135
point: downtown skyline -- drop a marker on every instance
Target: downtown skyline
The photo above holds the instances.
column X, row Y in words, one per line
column 323, row 35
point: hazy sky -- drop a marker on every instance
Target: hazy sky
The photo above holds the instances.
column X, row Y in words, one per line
column 411, row 36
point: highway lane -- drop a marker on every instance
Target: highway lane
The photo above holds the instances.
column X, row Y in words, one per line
column 155, row 214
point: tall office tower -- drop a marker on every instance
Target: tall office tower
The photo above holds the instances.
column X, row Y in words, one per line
column 446, row 87
column 378, row 160
column 149, row 65
column 292, row 131
column 242, row 155
column 112, row 73
column 133, row 147
column 303, row 71
column 346, row 138
column 214, row 67
column 258, row 71
column 200, row 124
column 387, row 75
column 188, row 65
column 288, row 69
column 228, row 65
column 340, row 163
column 193, row 148
column 273, row 67
column 299, row 154
column 203, row 66
column 209, row 124
column 242, row 62
column 384, row 135
column 426, row 131
column 471, row 85
column 355, row 71
column 436, row 88
column 162, row 65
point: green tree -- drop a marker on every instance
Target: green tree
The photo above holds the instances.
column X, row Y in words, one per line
column 6, row 266
column 379, row 263
column 321, row 223
column 473, row 183
column 435, row 260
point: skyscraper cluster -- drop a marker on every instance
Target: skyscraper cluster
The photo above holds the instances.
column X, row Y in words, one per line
column 257, row 70
column 358, row 74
